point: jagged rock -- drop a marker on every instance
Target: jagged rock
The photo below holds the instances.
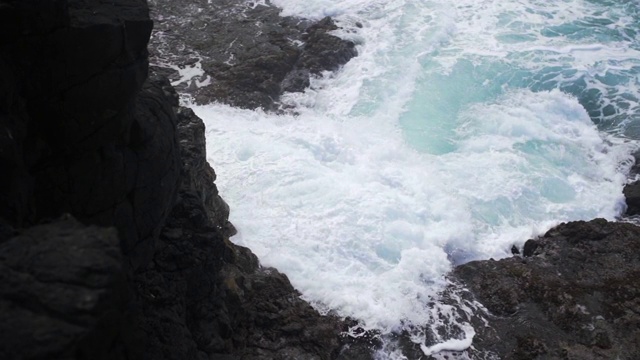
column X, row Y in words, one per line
column 632, row 195
column 200, row 178
column 83, row 131
column 78, row 136
column 204, row 297
column 575, row 295
column 63, row 293
column 632, row 191
column 247, row 53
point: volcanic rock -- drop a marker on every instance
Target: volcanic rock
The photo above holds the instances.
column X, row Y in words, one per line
column 204, row 297
column 632, row 195
column 147, row 269
column 63, row 293
column 575, row 295
column 78, row 135
column 241, row 53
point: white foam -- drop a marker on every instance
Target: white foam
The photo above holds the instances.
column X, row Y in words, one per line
column 255, row 3
column 364, row 225
column 192, row 74
column 451, row 344
column 421, row 153
column 566, row 38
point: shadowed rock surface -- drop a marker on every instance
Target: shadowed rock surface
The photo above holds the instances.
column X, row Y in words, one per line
column 63, row 293
column 214, row 295
column 241, row 53
column 632, row 191
column 77, row 135
column 147, row 271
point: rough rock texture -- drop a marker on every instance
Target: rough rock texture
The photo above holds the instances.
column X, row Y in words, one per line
column 632, row 195
column 80, row 134
column 147, row 271
column 574, row 295
column 203, row 297
column 63, row 293
column 74, row 136
column 240, row 52
column 632, row 191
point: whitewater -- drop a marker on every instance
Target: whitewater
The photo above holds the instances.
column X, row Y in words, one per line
column 462, row 128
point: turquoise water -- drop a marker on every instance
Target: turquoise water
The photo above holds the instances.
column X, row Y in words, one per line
column 461, row 129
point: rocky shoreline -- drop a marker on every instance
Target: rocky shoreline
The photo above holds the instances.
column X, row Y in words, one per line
column 241, row 53
column 114, row 240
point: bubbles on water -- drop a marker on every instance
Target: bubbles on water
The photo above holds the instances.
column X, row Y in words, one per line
column 461, row 128
column 368, row 227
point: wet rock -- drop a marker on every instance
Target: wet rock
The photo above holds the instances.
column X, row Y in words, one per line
column 200, row 176
column 204, row 296
column 632, row 191
column 632, row 196
column 242, row 53
column 575, row 297
column 529, row 248
column 515, row 250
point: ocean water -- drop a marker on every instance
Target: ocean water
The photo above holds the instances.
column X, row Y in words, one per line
column 462, row 128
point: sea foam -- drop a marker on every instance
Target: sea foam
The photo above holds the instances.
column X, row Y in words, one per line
column 460, row 129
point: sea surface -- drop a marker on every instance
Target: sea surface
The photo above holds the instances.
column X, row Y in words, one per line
column 462, row 128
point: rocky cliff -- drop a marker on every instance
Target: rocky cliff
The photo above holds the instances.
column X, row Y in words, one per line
column 114, row 241
column 113, row 238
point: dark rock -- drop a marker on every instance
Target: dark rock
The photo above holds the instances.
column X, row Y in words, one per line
column 77, row 138
column 632, row 191
column 63, row 293
column 632, row 196
column 204, row 295
column 529, row 248
column 249, row 55
column 199, row 176
column 84, row 131
column 515, row 250
column 576, row 296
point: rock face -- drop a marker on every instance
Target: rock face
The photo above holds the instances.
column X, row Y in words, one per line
column 63, row 293
column 147, row 270
column 76, row 135
column 82, row 134
column 632, row 194
column 241, row 53
column 203, row 297
column 574, row 295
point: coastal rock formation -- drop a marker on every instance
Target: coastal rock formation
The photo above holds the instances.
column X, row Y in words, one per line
column 78, row 136
column 241, row 53
column 574, row 294
column 632, row 194
column 63, row 293
column 204, row 297
column 146, row 270
column 82, row 134
column 632, row 191
column 114, row 240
